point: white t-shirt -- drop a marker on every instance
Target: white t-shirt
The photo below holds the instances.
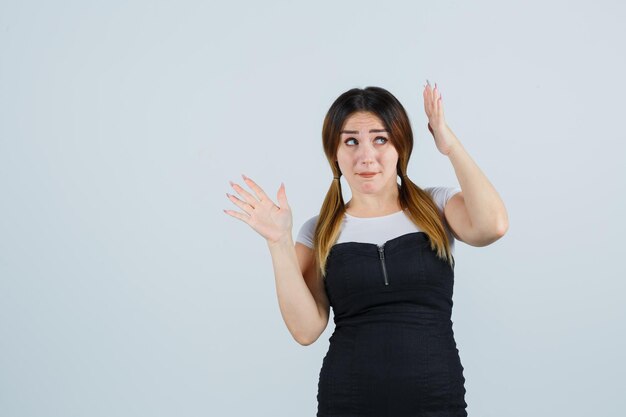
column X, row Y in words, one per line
column 380, row 229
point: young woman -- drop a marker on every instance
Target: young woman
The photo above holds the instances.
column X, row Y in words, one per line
column 384, row 260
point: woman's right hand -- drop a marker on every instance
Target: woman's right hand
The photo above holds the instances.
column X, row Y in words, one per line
column 272, row 222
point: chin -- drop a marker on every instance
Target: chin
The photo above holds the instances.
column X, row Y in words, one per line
column 370, row 188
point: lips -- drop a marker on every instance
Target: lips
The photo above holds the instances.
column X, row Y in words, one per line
column 368, row 174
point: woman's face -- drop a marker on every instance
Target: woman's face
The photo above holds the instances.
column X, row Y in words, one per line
column 365, row 146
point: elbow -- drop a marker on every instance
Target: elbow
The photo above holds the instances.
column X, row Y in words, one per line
column 502, row 225
column 305, row 341
column 502, row 228
column 310, row 336
column 487, row 237
column 495, row 234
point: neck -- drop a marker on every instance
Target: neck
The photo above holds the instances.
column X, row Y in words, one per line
column 373, row 205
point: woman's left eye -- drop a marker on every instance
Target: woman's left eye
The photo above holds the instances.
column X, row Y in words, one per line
column 379, row 137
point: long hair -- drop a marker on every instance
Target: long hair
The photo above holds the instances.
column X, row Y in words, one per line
column 419, row 205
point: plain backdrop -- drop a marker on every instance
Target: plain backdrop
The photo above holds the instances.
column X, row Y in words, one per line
column 125, row 290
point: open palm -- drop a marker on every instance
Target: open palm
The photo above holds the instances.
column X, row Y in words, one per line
column 436, row 121
column 266, row 218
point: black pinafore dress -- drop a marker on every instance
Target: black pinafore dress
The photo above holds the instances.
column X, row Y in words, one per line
column 393, row 352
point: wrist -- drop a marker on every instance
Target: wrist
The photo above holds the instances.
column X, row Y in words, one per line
column 285, row 240
column 455, row 147
column 438, row 130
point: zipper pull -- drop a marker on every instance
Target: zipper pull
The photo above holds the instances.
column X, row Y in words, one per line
column 381, row 253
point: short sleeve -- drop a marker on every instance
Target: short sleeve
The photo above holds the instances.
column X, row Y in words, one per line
column 441, row 195
column 307, row 231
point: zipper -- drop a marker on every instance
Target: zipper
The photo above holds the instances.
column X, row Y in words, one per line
column 381, row 251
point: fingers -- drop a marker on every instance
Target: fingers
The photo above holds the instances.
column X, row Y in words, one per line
column 259, row 192
column 250, row 199
column 432, row 97
column 428, row 94
column 281, row 195
column 237, row 215
column 244, row 206
column 431, row 92
column 428, row 99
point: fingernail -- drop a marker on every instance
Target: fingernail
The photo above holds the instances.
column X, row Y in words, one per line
column 427, row 82
column 244, row 177
column 231, row 183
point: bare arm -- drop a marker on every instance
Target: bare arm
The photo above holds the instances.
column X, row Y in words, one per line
column 305, row 315
column 301, row 295
column 477, row 214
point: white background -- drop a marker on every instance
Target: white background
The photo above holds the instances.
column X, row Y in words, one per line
column 125, row 290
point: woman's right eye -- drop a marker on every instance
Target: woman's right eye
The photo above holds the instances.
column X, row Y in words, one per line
column 379, row 137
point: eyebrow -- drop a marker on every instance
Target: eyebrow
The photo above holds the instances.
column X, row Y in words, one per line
column 371, row 131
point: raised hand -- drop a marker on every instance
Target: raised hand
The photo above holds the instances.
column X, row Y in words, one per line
column 266, row 218
column 436, row 121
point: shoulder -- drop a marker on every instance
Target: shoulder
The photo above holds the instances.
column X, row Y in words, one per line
column 441, row 194
column 311, row 222
column 306, row 231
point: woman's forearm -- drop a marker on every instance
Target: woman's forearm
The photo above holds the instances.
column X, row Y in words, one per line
column 297, row 304
column 484, row 206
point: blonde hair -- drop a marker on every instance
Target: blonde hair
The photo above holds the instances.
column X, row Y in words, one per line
column 419, row 205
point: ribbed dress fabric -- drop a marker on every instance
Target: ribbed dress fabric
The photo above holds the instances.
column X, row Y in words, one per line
column 392, row 352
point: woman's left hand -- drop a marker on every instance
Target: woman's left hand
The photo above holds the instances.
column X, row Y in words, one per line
column 436, row 121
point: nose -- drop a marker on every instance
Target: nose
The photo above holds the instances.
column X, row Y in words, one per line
column 367, row 154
